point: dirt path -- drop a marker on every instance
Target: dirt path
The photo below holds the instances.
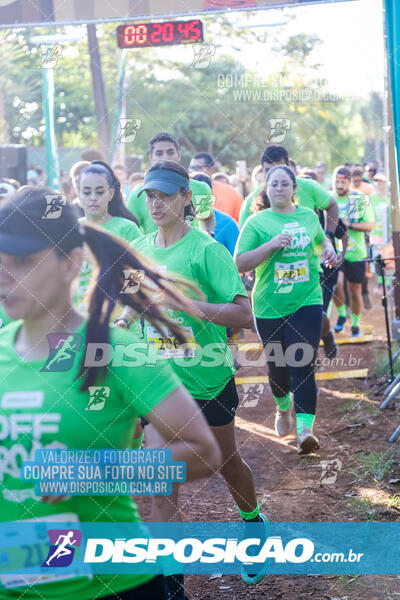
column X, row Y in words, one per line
column 349, row 425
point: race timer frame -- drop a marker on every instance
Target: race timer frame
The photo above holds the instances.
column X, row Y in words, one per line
column 167, row 33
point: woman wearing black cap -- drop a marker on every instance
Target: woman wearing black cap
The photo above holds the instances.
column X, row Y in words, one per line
column 204, row 363
column 40, row 254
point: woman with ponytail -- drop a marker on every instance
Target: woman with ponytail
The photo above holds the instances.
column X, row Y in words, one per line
column 204, row 364
column 102, row 202
column 46, row 366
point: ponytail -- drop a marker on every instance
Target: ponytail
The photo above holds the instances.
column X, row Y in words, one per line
column 116, row 206
column 113, row 255
column 260, row 202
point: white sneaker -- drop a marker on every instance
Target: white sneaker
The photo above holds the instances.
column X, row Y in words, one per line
column 307, row 442
column 284, row 421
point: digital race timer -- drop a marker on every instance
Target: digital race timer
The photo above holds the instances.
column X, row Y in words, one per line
column 160, row 34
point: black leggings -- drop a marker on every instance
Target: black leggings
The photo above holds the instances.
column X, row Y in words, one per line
column 153, row 589
column 292, row 367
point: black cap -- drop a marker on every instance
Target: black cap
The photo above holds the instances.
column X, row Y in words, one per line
column 38, row 218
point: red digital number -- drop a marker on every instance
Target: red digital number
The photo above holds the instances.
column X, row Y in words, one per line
column 129, row 35
column 157, row 29
column 195, row 30
column 141, row 34
column 168, row 32
column 184, row 28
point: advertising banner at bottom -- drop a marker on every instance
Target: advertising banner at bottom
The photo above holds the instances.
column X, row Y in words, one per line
column 47, row 550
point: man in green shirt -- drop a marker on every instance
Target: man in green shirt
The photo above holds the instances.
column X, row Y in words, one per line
column 357, row 214
column 309, row 194
column 163, row 146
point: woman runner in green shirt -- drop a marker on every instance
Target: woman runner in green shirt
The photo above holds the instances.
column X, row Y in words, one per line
column 287, row 299
column 39, row 258
column 204, row 364
column 101, row 199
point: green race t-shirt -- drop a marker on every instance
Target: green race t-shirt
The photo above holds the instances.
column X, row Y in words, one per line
column 44, row 408
column 309, row 193
column 118, row 226
column 207, row 264
column 289, row 278
column 245, row 209
column 138, row 206
column 356, row 208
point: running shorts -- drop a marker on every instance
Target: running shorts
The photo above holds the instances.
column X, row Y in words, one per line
column 222, row 409
column 354, row 271
column 217, row 411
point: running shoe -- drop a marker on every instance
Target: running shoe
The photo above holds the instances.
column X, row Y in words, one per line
column 340, row 323
column 366, row 301
column 330, row 348
column 355, row 331
column 253, row 578
column 284, row 421
column 307, row 442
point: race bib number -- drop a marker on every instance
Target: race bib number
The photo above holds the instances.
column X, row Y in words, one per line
column 296, row 272
column 168, row 346
column 34, row 552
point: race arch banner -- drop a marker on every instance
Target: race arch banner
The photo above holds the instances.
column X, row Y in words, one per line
column 26, row 12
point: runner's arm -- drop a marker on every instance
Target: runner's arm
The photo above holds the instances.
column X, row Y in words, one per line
column 332, row 215
column 182, row 425
column 228, row 314
column 247, row 261
column 328, row 255
column 368, row 226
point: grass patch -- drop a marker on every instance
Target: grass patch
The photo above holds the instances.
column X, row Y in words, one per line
column 373, row 411
column 307, row 460
column 348, row 579
column 394, row 501
column 365, row 509
column 375, row 465
column 347, row 406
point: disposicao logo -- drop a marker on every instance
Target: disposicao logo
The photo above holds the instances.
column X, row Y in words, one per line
column 63, row 543
column 190, row 550
column 63, row 348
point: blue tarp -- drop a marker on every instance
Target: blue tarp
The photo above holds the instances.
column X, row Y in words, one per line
column 393, row 49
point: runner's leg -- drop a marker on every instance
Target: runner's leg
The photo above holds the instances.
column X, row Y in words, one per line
column 328, row 280
column 235, row 470
column 163, row 508
column 272, row 336
column 340, row 302
column 303, row 331
column 355, row 290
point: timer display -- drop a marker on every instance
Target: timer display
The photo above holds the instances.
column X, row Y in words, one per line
column 167, row 33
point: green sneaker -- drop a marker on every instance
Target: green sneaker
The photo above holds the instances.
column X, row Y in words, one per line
column 253, row 573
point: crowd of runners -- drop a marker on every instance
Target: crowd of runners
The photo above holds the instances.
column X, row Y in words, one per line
column 178, row 260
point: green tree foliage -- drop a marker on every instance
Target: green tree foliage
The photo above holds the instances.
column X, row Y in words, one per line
column 223, row 109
